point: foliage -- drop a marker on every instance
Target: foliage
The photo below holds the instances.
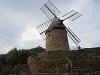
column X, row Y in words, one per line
column 19, row 56
column 15, row 56
column 85, row 54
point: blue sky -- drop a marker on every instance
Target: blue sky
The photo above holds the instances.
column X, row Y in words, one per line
column 19, row 18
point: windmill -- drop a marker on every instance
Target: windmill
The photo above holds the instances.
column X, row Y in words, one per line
column 54, row 31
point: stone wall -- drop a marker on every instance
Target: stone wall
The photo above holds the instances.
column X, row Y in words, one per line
column 57, row 40
column 22, row 69
column 49, row 62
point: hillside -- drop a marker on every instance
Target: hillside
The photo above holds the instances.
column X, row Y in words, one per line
column 83, row 58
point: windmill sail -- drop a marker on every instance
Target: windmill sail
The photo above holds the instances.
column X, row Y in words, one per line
column 50, row 10
column 43, row 27
column 72, row 35
column 72, row 15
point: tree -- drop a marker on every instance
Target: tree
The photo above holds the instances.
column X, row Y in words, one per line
column 11, row 56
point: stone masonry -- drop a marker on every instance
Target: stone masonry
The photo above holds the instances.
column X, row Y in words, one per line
column 56, row 39
column 49, row 63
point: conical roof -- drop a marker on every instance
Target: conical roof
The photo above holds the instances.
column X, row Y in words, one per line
column 56, row 23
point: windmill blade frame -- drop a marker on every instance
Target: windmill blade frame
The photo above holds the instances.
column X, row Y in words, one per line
column 72, row 35
column 43, row 36
column 72, row 39
column 50, row 10
column 67, row 13
column 43, row 27
column 72, row 15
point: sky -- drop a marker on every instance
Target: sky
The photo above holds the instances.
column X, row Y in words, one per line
column 19, row 18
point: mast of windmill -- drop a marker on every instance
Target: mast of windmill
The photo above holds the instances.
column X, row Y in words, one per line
column 54, row 29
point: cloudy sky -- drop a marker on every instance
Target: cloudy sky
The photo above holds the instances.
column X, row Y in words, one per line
column 19, row 18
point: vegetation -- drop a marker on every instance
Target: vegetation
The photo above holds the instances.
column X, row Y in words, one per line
column 15, row 56
column 85, row 54
column 86, row 58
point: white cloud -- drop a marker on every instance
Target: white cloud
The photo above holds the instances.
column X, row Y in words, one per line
column 15, row 28
column 4, row 48
column 30, row 34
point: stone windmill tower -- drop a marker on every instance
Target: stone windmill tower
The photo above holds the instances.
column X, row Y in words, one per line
column 56, row 36
column 55, row 31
